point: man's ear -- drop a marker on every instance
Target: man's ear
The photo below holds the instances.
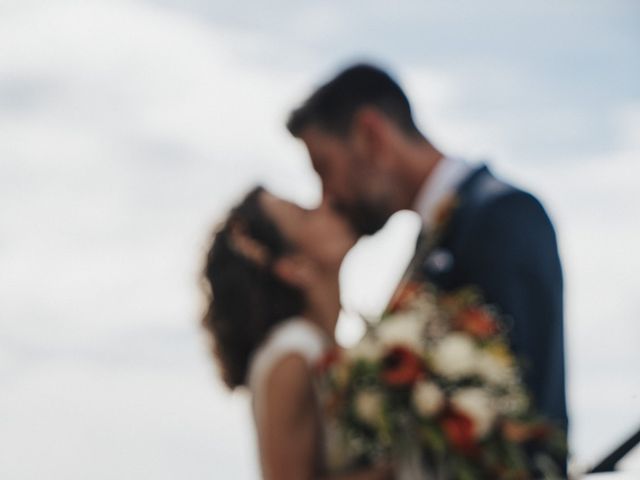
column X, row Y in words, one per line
column 370, row 133
column 293, row 270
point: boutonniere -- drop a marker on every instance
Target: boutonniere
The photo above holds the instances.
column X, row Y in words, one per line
column 444, row 212
column 441, row 219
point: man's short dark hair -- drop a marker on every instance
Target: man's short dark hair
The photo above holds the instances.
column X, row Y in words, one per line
column 332, row 106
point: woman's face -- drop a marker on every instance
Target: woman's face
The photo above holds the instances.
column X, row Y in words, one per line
column 320, row 235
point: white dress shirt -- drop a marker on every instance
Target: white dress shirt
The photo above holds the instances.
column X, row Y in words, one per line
column 447, row 175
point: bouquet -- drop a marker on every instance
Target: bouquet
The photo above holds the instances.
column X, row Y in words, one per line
column 437, row 375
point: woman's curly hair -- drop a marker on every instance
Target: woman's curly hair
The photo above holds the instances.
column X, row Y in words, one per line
column 245, row 299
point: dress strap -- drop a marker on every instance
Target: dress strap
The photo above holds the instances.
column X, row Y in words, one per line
column 294, row 336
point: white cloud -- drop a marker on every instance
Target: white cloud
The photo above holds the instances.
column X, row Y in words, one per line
column 143, row 127
column 71, row 420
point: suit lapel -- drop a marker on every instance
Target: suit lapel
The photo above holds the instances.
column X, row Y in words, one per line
column 434, row 258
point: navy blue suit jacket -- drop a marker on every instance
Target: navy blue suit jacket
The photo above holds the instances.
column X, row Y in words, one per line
column 501, row 240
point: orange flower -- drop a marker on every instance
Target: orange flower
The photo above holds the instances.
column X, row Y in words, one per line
column 458, row 429
column 477, row 322
column 401, row 367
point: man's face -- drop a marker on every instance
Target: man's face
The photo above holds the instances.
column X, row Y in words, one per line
column 350, row 183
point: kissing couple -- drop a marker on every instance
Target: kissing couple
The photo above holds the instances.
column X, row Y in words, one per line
column 272, row 282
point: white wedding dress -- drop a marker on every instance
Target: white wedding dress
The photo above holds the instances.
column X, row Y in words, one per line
column 300, row 336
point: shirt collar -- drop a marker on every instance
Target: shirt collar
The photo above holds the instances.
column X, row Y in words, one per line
column 446, row 176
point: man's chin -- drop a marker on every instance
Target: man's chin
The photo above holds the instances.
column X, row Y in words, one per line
column 363, row 218
column 365, row 224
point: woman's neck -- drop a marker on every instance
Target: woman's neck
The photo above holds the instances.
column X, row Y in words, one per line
column 323, row 305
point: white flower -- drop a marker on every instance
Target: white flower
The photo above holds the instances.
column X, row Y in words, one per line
column 493, row 368
column 476, row 404
column 427, row 398
column 455, row 356
column 368, row 405
column 404, row 328
column 368, row 349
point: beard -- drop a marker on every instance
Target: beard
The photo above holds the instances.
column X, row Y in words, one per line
column 365, row 217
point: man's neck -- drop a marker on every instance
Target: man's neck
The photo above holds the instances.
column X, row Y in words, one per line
column 421, row 160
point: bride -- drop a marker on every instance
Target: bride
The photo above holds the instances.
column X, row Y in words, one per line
column 272, row 282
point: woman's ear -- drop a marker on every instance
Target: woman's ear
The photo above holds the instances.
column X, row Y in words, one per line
column 294, row 270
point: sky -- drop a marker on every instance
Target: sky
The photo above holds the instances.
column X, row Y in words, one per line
column 128, row 128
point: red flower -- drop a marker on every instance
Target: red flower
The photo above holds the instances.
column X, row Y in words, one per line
column 401, row 367
column 327, row 360
column 477, row 322
column 458, row 429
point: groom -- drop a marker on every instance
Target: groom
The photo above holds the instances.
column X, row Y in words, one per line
column 373, row 161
